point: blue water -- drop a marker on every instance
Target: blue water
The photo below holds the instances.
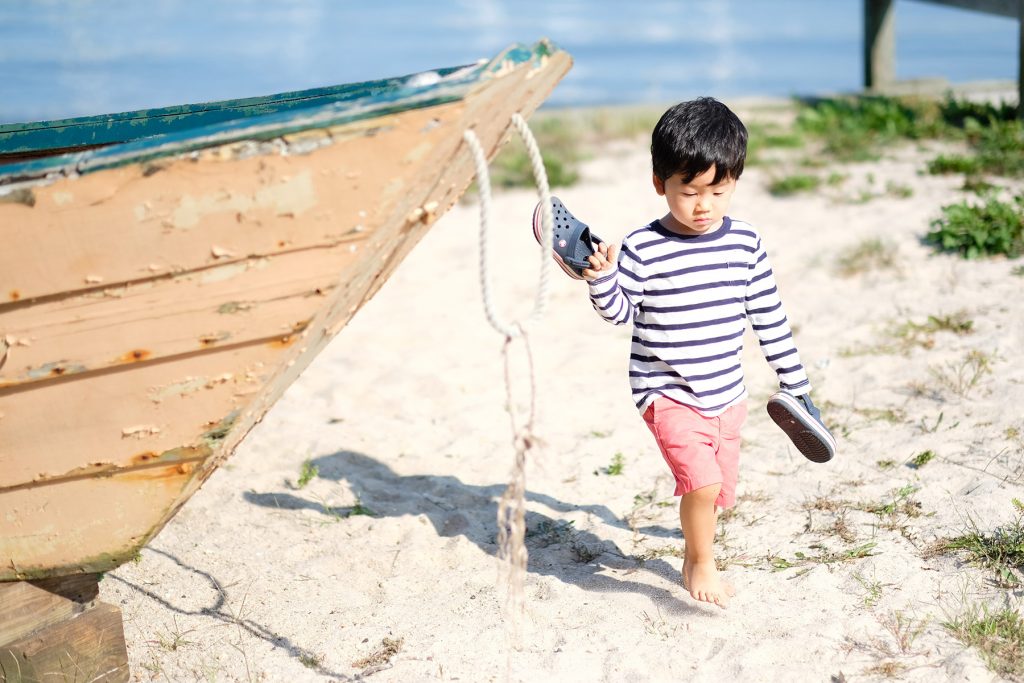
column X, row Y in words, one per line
column 73, row 58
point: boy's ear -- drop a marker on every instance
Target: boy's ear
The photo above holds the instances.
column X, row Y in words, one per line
column 659, row 184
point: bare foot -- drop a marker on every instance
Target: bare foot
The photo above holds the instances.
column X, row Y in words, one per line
column 706, row 584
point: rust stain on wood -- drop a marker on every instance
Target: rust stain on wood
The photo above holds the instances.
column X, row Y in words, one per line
column 135, row 356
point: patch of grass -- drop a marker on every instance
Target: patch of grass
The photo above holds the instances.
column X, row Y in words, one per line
column 615, row 468
column 890, row 415
column 886, row 464
column 948, row 164
column 887, row 669
column 854, row 128
column 823, row 556
column 310, row 660
column 360, row 509
column 174, row 638
column 307, row 473
column 921, row 459
column 1002, row 550
column 869, row 254
column 764, row 136
column 977, row 185
column 549, row 532
column 898, row 190
column 961, row 377
column 664, row 551
column 841, row 528
column 561, row 150
column 793, row 184
column 894, row 513
column 910, row 334
column 993, row 228
column 659, row 627
column 1017, row 271
column 389, row 647
column 835, row 179
column 904, row 629
column 872, row 588
column 998, row 634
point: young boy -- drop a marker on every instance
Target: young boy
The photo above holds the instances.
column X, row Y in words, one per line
column 689, row 282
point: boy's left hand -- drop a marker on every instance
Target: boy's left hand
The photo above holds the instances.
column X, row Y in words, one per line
column 603, row 260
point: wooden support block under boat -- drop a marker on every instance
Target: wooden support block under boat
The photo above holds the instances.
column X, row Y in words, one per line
column 55, row 630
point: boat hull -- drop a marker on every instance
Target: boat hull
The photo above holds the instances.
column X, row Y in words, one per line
column 152, row 310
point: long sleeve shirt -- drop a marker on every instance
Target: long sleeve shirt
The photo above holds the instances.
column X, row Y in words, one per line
column 689, row 298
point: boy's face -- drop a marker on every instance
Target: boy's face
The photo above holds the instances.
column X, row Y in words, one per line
column 698, row 206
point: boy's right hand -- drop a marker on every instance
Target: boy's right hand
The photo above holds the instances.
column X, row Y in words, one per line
column 602, row 261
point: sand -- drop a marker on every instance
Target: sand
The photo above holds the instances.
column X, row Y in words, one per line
column 404, row 417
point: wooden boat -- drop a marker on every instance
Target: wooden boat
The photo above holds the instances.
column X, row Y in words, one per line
column 166, row 274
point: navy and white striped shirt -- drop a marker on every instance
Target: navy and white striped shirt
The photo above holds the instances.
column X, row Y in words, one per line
column 689, row 297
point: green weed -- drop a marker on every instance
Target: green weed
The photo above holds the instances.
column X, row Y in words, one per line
column 310, row 660
column 853, row 129
column 900, row 506
column 1002, row 550
column 1017, row 271
column 307, row 473
column 961, row 377
column 997, row 634
column 869, row 254
column 995, row 227
column 823, row 556
column 977, row 185
column 886, row 464
column 947, row 164
column 898, row 190
column 793, row 184
column 921, row 459
column 615, row 468
column 872, row 588
column 561, row 151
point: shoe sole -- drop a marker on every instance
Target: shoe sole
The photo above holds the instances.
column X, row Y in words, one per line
column 812, row 440
column 538, row 226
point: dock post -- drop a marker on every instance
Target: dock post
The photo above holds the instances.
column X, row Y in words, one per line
column 55, row 630
column 879, row 44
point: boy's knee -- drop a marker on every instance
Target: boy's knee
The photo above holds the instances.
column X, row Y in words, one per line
column 707, row 493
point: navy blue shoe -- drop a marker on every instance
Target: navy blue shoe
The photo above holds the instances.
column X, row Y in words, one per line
column 798, row 417
column 572, row 241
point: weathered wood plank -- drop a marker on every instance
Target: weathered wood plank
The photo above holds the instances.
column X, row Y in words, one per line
column 146, row 322
column 87, row 646
column 212, row 207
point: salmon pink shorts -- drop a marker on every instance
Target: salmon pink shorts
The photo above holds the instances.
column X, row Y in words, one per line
column 700, row 450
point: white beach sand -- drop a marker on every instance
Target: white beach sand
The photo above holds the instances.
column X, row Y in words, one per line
column 404, row 415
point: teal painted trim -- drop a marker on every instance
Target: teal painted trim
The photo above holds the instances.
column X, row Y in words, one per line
column 127, row 126
column 403, row 93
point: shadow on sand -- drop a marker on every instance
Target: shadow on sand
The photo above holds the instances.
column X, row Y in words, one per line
column 456, row 508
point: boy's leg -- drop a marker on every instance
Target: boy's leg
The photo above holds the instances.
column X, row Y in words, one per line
column 700, row 576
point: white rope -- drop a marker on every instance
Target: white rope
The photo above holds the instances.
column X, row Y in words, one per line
column 483, row 176
column 512, row 504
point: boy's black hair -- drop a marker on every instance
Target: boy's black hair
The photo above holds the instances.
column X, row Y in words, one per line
column 695, row 135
